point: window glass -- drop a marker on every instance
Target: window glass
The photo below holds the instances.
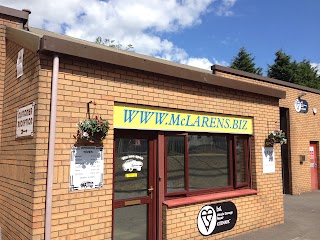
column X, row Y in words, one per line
column 130, row 223
column 208, row 162
column 131, row 157
column 175, row 150
column 240, row 160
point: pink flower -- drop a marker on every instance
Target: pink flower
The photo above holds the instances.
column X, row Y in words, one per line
column 85, row 134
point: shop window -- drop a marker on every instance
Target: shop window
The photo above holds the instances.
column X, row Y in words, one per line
column 176, row 164
column 241, row 162
column 201, row 163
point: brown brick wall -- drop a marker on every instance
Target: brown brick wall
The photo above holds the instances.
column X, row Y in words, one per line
column 4, row 21
column 304, row 128
column 17, row 156
column 88, row 214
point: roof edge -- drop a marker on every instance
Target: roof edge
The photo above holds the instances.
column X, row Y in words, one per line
column 240, row 73
column 137, row 61
column 30, row 40
column 23, row 15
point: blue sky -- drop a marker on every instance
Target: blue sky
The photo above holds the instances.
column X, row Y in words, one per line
column 194, row 32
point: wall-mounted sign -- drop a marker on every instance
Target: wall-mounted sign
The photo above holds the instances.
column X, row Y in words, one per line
column 25, row 117
column 301, row 105
column 216, row 218
column 269, row 163
column 86, row 167
column 140, row 117
column 20, row 63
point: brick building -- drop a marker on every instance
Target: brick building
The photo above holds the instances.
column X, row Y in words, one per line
column 184, row 157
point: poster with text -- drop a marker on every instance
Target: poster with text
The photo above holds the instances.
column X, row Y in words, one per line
column 269, row 164
column 86, row 167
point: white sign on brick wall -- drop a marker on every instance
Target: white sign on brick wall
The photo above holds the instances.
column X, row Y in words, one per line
column 86, row 167
column 25, row 118
column 269, row 163
column 20, row 63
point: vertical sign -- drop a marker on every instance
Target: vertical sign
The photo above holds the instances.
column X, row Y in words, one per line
column 86, row 167
column 20, row 63
column 269, row 165
column 25, row 117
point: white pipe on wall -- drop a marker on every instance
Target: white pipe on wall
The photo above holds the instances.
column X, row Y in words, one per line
column 52, row 136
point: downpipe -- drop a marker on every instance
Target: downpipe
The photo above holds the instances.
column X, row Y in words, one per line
column 52, row 136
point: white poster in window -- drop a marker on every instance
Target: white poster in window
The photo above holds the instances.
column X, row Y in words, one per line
column 269, row 163
column 20, row 63
column 86, row 167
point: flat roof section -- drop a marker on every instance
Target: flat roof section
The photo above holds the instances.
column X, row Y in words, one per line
column 262, row 78
column 44, row 41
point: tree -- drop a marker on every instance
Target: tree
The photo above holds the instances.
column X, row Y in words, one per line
column 113, row 44
column 307, row 75
column 283, row 68
column 244, row 62
column 301, row 73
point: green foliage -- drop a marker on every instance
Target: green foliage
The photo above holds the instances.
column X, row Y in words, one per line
column 93, row 130
column 113, row 44
column 244, row 62
column 276, row 137
column 283, row 68
column 301, row 73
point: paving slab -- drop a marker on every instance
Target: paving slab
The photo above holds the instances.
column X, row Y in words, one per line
column 301, row 220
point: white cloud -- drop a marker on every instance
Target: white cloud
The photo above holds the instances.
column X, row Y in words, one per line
column 198, row 62
column 224, row 8
column 136, row 22
column 221, row 63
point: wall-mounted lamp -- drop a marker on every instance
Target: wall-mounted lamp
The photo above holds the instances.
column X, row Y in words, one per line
column 302, row 158
column 302, row 94
column 314, row 110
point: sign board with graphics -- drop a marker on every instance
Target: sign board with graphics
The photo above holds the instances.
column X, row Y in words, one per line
column 25, row 118
column 269, row 163
column 149, row 118
column 216, row 218
column 86, row 167
column 301, row 105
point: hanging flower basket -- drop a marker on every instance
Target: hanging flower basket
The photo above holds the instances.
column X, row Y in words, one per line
column 275, row 137
column 92, row 131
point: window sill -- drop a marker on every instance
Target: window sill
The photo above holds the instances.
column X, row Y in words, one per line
column 209, row 197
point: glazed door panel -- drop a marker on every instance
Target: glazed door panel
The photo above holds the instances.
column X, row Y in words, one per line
column 134, row 187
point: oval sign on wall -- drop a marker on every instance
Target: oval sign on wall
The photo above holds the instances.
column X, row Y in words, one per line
column 301, row 105
column 216, row 218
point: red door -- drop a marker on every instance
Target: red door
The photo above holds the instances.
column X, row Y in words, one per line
column 134, row 199
column 314, row 166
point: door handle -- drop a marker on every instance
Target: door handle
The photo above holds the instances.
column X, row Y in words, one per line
column 150, row 191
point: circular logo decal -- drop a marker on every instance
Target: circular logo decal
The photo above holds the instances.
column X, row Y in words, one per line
column 297, row 105
column 207, row 220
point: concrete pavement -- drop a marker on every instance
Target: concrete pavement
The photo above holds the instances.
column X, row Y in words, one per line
column 302, row 220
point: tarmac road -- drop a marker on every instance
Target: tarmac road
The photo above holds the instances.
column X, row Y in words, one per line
column 302, row 220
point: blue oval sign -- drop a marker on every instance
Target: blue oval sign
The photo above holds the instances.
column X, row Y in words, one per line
column 301, row 105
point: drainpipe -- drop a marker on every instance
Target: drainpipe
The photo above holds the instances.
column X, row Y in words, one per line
column 52, row 136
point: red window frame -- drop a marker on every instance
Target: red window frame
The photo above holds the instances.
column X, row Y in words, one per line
column 231, row 140
column 247, row 156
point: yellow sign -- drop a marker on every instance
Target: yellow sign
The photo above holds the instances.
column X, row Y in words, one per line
column 130, row 175
column 149, row 118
